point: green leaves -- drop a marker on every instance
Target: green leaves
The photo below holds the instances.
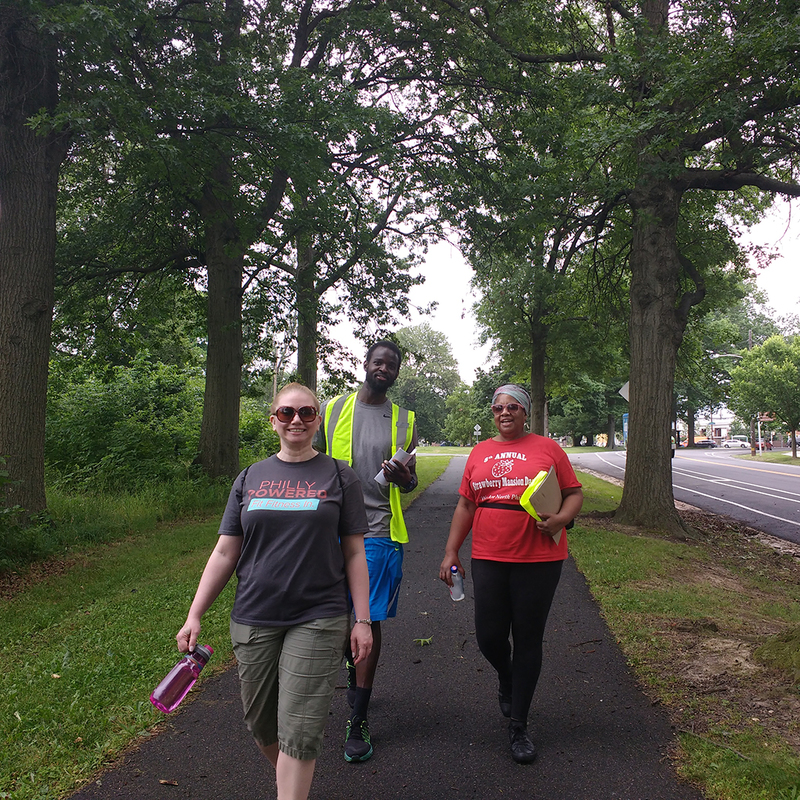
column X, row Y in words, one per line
column 139, row 425
column 767, row 381
column 428, row 374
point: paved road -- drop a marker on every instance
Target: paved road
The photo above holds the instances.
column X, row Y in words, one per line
column 765, row 496
column 435, row 723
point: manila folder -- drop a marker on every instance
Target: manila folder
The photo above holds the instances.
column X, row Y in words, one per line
column 543, row 496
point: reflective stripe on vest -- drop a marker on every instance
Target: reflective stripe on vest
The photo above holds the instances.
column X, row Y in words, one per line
column 339, row 415
column 339, row 438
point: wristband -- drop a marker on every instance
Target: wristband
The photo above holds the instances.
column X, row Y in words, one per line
column 365, row 621
column 412, row 484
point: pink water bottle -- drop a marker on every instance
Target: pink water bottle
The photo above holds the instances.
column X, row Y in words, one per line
column 175, row 686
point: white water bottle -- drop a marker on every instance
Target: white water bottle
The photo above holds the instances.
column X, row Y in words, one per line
column 457, row 589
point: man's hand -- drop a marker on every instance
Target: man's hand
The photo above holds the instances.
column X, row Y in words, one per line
column 397, row 473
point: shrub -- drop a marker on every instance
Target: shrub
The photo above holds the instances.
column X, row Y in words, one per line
column 257, row 440
column 140, row 425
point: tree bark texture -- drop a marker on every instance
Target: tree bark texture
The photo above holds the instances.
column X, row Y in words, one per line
column 29, row 168
column 538, row 341
column 225, row 249
column 655, row 334
column 656, row 329
column 219, row 431
column 690, row 427
column 307, row 313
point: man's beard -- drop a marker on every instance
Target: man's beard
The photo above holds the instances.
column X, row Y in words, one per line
column 379, row 386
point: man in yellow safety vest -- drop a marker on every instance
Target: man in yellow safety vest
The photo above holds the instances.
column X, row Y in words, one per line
column 366, row 429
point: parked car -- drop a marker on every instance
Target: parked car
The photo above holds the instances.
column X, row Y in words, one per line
column 704, row 443
column 737, row 440
column 763, row 444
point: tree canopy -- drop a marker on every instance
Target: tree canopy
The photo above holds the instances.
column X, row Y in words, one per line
column 767, row 381
column 428, row 375
column 672, row 146
column 281, row 162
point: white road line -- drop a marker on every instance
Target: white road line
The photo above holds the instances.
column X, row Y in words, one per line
column 610, row 464
column 727, row 482
column 733, row 483
column 738, row 505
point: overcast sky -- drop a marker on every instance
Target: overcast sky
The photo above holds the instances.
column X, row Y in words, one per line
column 781, row 280
column 448, row 276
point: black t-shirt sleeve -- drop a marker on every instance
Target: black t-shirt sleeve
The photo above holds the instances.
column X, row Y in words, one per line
column 231, row 523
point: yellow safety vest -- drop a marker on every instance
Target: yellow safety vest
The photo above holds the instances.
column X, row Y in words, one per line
column 339, row 415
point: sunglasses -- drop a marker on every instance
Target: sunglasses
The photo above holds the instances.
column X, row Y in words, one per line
column 497, row 408
column 286, row 413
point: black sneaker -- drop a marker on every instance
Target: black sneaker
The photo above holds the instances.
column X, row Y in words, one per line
column 351, row 682
column 523, row 750
column 505, row 703
column 357, row 746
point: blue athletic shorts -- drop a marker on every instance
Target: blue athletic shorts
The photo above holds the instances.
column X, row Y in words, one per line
column 385, row 564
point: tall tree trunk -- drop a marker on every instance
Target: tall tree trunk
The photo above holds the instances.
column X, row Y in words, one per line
column 690, row 426
column 225, row 249
column 538, row 344
column 219, row 431
column 29, row 167
column 656, row 326
column 610, row 432
column 656, row 333
column 538, row 398
column 307, row 313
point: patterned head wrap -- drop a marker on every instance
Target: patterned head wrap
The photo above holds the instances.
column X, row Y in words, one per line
column 518, row 393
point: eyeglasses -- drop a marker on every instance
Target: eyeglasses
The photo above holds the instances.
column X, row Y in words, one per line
column 286, row 413
column 497, row 408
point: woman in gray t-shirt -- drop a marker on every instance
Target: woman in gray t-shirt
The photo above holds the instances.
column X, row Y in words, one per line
column 293, row 531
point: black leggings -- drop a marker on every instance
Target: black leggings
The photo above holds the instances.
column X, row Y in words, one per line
column 514, row 598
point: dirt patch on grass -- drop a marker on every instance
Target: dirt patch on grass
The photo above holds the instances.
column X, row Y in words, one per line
column 709, row 674
column 12, row 583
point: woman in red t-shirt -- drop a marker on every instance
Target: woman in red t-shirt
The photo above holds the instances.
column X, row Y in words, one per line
column 516, row 561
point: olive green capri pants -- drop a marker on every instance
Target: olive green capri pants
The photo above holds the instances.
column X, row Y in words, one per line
column 287, row 677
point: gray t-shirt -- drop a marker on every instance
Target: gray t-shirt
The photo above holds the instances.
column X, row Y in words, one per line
column 291, row 515
column 372, row 445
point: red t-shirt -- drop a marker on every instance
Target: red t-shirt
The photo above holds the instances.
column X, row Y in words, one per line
column 499, row 472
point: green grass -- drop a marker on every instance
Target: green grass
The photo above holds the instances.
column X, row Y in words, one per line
column 599, row 495
column 464, row 451
column 81, row 650
column 80, row 520
column 442, row 451
column 428, row 470
column 783, row 651
column 773, row 457
column 642, row 585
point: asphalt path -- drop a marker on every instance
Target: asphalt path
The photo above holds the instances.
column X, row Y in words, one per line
column 435, row 722
column 765, row 496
